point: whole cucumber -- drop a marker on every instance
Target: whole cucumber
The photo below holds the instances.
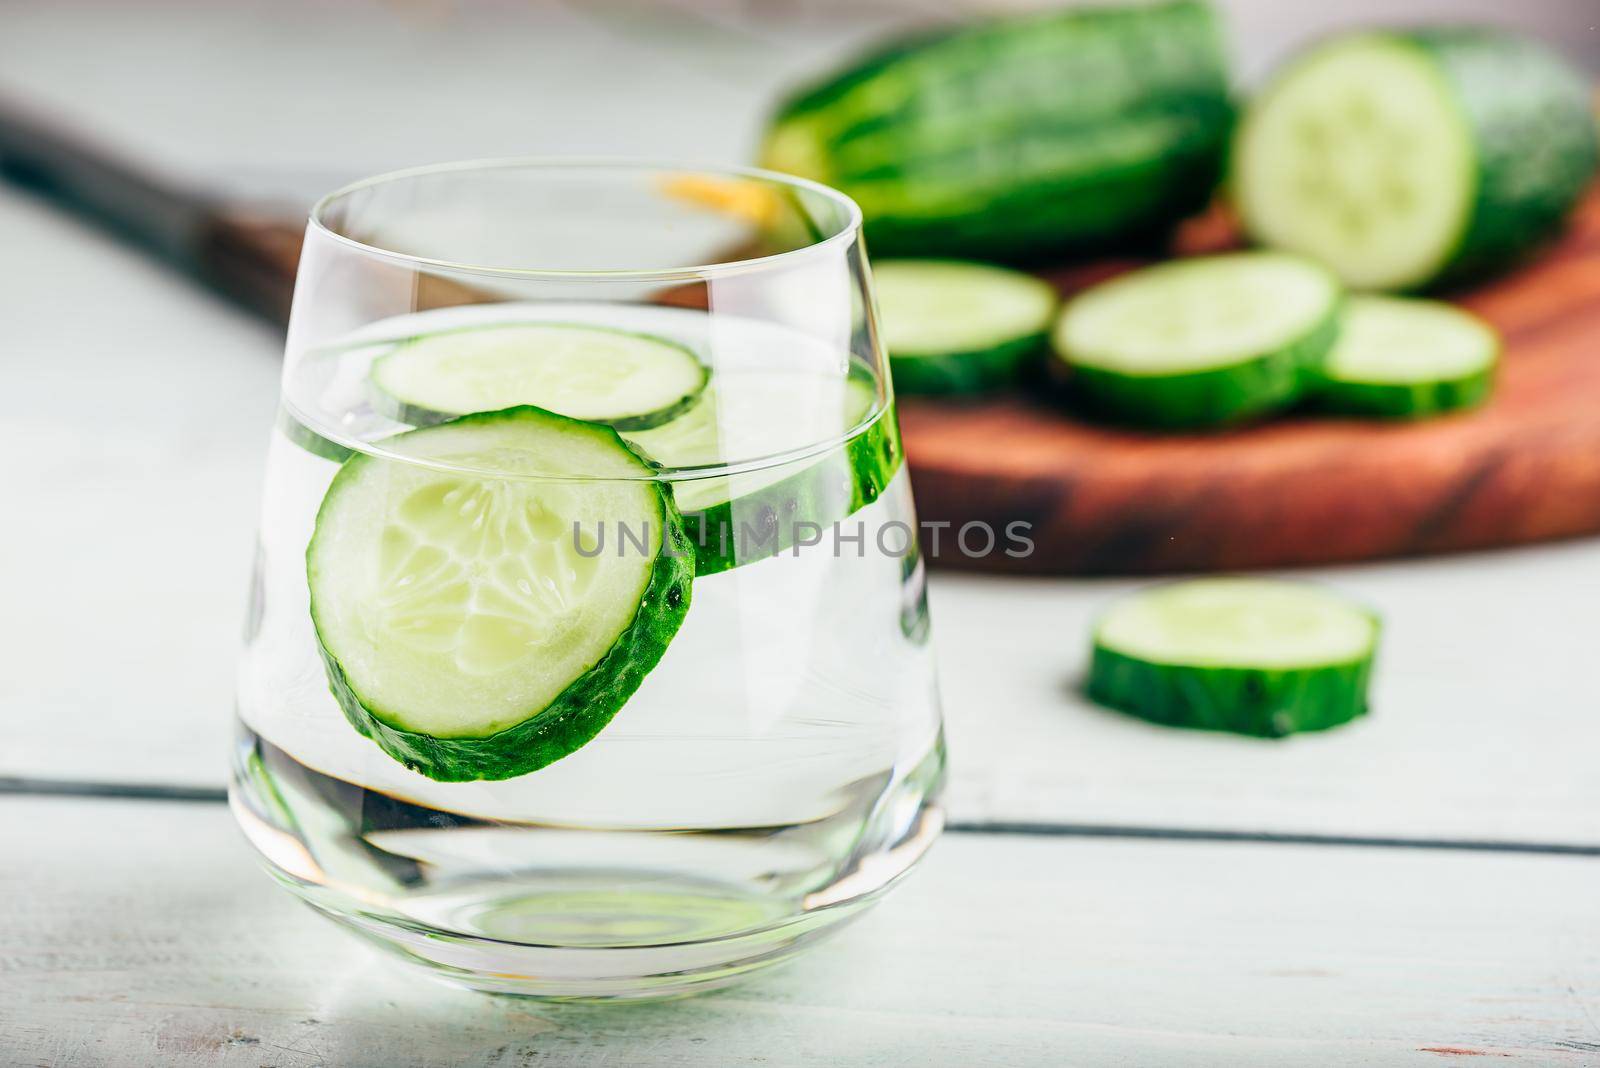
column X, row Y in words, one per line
column 1416, row 159
column 1018, row 139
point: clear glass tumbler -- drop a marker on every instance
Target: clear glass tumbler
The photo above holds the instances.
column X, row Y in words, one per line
column 588, row 650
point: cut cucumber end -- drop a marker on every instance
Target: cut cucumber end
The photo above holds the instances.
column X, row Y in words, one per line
column 1199, row 342
column 1251, row 656
column 1359, row 155
column 475, row 627
column 1405, row 358
column 959, row 327
column 631, row 381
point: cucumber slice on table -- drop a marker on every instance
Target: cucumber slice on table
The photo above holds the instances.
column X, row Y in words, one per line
column 1252, row 656
column 958, row 327
column 1403, row 357
column 748, row 415
column 462, row 629
column 1201, row 341
column 631, row 381
column 1407, row 159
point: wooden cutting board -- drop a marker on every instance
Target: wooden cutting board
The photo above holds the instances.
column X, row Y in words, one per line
column 1300, row 490
column 1099, row 500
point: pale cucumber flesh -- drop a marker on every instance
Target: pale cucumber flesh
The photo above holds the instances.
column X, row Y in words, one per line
column 467, row 625
column 1198, row 342
column 955, row 327
column 1359, row 155
column 1238, row 622
column 1195, row 315
column 587, row 372
column 930, row 307
column 1404, row 358
column 1405, row 341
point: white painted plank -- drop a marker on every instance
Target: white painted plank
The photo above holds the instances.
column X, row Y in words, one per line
column 135, row 416
column 138, row 933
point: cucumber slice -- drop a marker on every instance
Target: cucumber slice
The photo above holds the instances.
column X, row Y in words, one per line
column 462, row 629
column 1407, row 358
column 310, row 440
column 1409, row 159
column 631, row 381
column 745, row 416
column 957, row 327
column 1201, row 341
column 1252, row 656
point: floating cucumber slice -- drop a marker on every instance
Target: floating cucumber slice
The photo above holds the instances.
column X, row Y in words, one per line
column 1407, row 358
column 1200, row 341
column 1406, row 159
column 747, row 415
column 463, row 629
column 957, row 327
column 310, row 440
column 1253, row 656
column 631, row 381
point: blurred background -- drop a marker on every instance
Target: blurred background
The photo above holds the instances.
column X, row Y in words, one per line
column 294, row 98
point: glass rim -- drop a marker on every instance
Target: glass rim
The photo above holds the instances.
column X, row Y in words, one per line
column 847, row 232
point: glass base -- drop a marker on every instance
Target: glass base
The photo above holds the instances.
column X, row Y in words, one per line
column 609, row 936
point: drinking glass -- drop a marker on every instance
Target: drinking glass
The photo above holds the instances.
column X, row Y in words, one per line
column 773, row 753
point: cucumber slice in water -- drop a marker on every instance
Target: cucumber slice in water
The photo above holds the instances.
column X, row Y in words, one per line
column 1408, row 159
column 631, row 381
column 1252, row 656
column 1200, row 341
column 1407, row 358
column 462, row 628
column 747, row 415
column 958, row 327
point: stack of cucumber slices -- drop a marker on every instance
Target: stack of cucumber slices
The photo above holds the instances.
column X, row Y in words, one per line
column 475, row 608
column 1214, row 340
column 1194, row 343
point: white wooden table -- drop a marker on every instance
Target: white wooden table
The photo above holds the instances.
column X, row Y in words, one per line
column 1114, row 893
column 137, row 932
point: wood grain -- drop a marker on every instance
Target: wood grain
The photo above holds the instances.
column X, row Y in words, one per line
column 1302, row 490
